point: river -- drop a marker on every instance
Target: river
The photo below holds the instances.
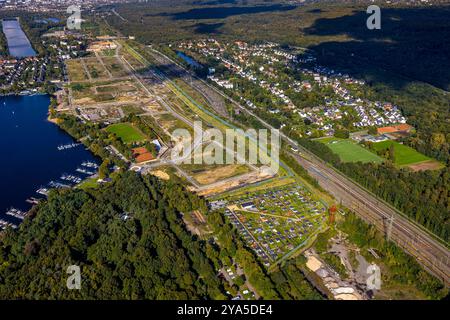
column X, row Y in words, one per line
column 18, row 44
column 30, row 156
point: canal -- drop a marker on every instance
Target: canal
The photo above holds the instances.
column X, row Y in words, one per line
column 18, row 44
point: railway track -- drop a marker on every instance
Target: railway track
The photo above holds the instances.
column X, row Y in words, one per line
column 429, row 252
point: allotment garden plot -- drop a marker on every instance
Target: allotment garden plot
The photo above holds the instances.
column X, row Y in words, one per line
column 276, row 222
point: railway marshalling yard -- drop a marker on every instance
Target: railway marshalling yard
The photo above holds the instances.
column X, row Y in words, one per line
column 107, row 86
column 277, row 215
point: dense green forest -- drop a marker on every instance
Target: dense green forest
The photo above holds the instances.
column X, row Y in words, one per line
column 149, row 255
column 130, row 242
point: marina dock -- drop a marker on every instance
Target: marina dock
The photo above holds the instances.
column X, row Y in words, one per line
column 5, row 224
column 68, row 146
column 16, row 213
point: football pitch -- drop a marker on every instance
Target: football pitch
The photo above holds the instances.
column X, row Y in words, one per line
column 404, row 155
column 126, row 132
column 348, row 151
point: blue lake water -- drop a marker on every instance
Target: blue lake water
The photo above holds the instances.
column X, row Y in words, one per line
column 18, row 44
column 188, row 59
column 30, row 157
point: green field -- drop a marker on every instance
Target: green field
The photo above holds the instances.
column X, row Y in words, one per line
column 90, row 183
column 348, row 151
column 404, row 155
column 126, row 132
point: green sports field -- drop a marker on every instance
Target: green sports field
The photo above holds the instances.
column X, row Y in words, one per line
column 348, row 151
column 126, row 132
column 404, row 155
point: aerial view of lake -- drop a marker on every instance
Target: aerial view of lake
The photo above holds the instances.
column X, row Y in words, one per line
column 30, row 157
column 18, row 44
